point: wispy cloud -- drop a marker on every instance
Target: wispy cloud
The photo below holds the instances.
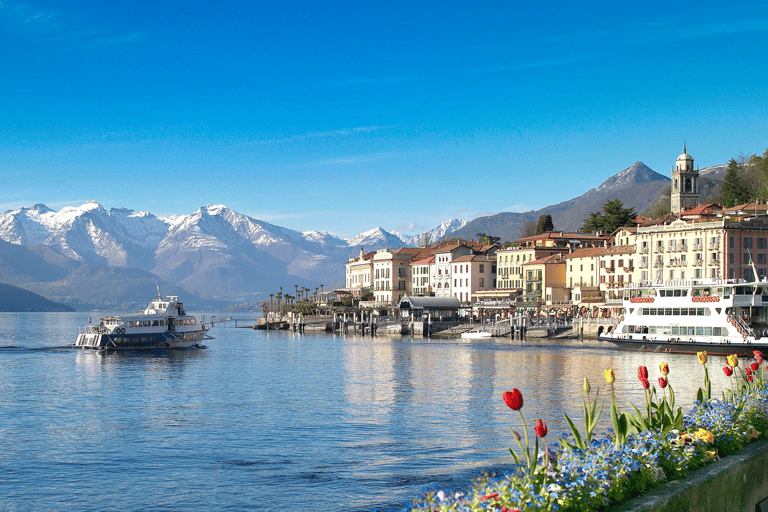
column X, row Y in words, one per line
column 24, row 21
column 411, row 227
column 346, row 160
column 341, row 132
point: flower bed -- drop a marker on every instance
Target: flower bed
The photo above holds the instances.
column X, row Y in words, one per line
column 645, row 449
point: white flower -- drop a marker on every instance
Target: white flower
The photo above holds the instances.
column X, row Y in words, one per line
column 440, row 495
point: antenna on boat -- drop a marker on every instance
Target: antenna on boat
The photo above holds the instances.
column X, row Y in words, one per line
column 159, row 297
column 754, row 270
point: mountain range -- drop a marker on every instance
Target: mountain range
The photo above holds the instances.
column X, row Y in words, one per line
column 92, row 258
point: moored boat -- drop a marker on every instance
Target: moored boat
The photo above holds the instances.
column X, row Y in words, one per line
column 162, row 324
column 716, row 315
column 476, row 334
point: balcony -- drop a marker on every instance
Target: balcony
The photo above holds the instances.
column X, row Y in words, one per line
column 658, row 264
column 714, row 262
column 659, row 248
column 643, row 250
column 643, row 265
column 697, row 247
column 698, row 262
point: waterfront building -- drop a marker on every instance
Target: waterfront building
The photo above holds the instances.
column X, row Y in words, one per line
column 510, row 260
column 544, row 281
column 583, row 276
column 472, row 273
column 392, row 274
column 422, row 272
column 359, row 273
column 616, row 269
column 444, row 256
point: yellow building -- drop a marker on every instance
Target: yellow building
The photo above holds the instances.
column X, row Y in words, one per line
column 545, row 281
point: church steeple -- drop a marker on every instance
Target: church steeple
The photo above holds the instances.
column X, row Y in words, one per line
column 685, row 183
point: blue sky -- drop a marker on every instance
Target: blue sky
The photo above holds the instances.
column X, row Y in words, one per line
column 345, row 116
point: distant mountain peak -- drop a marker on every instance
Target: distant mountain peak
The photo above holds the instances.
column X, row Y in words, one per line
column 638, row 172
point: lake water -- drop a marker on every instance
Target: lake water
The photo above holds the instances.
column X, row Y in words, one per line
column 281, row 421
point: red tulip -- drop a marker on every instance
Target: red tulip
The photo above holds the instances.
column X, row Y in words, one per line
column 758, row 355
column 749, row 371
column 541, row 429
column 645, row 383
column 513, row 399
column 727, row 371
column 662, row 382
column 754, row 366
column 749, row 378
column 642, row 373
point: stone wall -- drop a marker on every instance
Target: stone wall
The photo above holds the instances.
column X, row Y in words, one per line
column 738, row 483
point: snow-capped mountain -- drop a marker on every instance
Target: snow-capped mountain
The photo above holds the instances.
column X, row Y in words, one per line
column 214, row 252
column 434, row 235
column 377, row 238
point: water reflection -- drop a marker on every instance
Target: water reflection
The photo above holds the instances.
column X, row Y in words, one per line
column 271, row 421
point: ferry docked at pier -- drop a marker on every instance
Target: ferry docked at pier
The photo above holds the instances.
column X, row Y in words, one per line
column 716, row 315
column 162, row 324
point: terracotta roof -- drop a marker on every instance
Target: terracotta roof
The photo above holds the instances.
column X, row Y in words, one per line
column 620, row 249
column 586, row 253
column 748, row 208
column 555, row 258
column 561, row 235
column 702, row 209
column 424, row 261
column 475, row 257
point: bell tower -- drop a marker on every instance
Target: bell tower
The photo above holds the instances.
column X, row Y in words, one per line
column 685, row 183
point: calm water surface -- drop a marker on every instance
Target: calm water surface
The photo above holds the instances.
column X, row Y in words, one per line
column 278, row 421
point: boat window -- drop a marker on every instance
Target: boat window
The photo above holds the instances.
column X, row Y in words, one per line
column 716, row 331
column 155, row 323
column 700, row 331
column 676, row 311
column 193, row 321
column 683, row 311
column 162, row 322
column 675, row 330
column 707, row 331
column 668, row 311
column 678, row 293
column 700, row 311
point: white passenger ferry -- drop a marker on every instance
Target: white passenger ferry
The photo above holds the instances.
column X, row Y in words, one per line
column 163, row 324
column 719, row 316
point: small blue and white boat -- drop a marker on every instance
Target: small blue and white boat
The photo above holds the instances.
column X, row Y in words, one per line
column 163, row 324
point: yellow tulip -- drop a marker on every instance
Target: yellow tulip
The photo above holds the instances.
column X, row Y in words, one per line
column 586, row 386
column 705, row 435
column 609, row 376
column 732, row 360
column 702, row 357
column 664, row 368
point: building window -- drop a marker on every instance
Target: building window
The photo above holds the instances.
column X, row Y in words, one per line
column 747, row 242
column 482, row 268
column 482, row 283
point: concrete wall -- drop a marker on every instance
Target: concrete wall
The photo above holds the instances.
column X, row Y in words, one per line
column 737, row 483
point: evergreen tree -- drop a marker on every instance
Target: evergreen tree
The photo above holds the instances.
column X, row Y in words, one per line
column 734, row 189
column 545, row 224
column 613, row 217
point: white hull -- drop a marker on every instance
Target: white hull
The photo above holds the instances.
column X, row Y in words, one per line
column 162, row 325
column 721, row 317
